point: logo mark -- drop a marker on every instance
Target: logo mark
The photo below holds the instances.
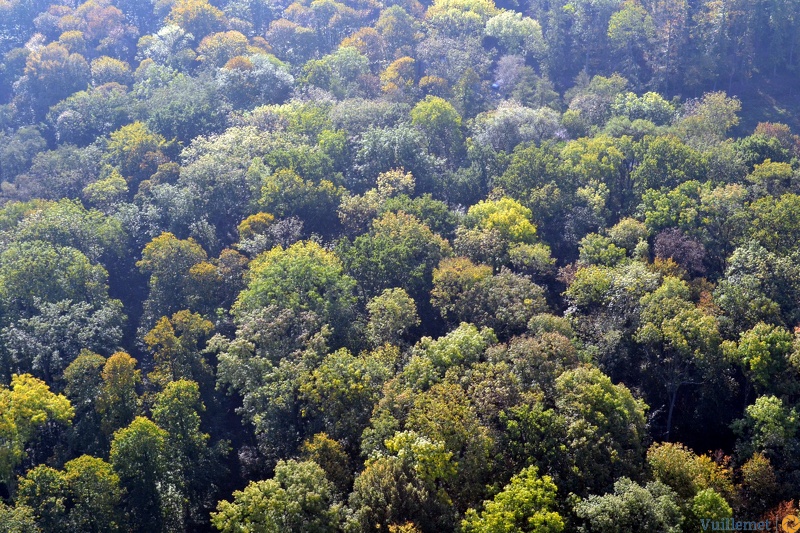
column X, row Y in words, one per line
column 791, row 524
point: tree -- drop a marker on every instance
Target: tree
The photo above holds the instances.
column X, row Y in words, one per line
column 136, row 151
column 303, row 278
column 632, row 507
column 281, row 344
column 775, row 222
column 630, row 33
column 444, row 413
column 298, row 498
column 49, row 341
column 763, row 353
column 256, row 79
column 771, row 428
column 605, row 428
column 705, row 120
column 43, row 489
column 517, row 34
column 708, row 505
column 391, row 315
column 757, row 286
column 185, row 107
column 687, row 252
column 666, row 162
column 17, row 519
column 118, row 402
column 176, row 344
column 597, row 249
column 59, row 173
column 511, row 124
column 138, row 455
column 219, row 48
column 287, row 194
column 108, row 70
column 398, row 251
column 381, row 149
column 389, row 492
column 168, row 260
column 526, row 504
column 190, row 462
column 340, row 393
column 37, row 271
column 687, row 473
column 342, row 73
column 51, row 74
column 84, row 385
column 68, row 223
column 464, row 292
column 25, row 407
column 94, row 492
column 441, row 124
column 682, row 341
column 332, row 458
column 19, row 150
column 197, row 17
column 461, row 347
column 170, row 46
column 507, row 216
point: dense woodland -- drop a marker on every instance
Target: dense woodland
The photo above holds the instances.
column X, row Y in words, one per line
column 398, row 266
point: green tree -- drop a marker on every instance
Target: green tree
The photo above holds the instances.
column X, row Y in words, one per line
column 388, row 492
column 341, row 392
column 391, row 315
column 769, row 427
column 44, row 489
column 708, row 505
column 605, row 428
column 17, row 519
column 191, row 463
column 526, row 504
column 441, row 124
column 757, row 286
column 681, row 341
column 465, row 292
column 775, row 222
column 517, row 34
column 84, row 385
column 138, row 455
column 298, row 498
column 281, row 344
column 763, row 353
column 168, row 261
column 632, row 507
column 93, row 489
column 38, row 271
column 666, row 162
column 304, row 278
column 398, row 251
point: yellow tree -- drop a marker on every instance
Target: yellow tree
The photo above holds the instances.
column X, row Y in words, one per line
column 26, row 406
column 197, row 17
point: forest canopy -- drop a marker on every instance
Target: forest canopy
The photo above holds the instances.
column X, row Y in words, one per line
column 408, row 266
